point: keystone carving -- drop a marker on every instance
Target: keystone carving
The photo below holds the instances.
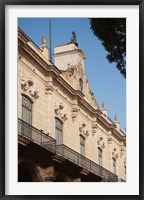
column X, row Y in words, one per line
column 83, row 129
column 28, row 87
column 59, row 111
column 100, row 142
column 114, row 153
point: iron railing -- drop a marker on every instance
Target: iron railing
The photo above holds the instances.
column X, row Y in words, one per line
column 84, row 162
column 36, row 136
column 48, row 143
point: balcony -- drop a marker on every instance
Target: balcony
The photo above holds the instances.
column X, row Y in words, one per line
column 32, row 134
column 84, row 162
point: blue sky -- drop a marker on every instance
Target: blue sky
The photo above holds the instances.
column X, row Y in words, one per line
column 106, row 82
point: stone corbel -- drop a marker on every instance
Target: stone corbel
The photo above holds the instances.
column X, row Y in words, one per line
column 83, row 129
column 114, row 153
column 94, row 128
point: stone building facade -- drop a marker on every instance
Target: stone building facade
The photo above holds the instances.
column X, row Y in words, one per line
column 63, row 135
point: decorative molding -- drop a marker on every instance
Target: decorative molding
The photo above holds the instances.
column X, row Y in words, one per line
column 100, row 142
column 49, row 87
column 109, row 140
column 59, row 111
column 28, row 87
column 94, row 128
column 74, row 111
column 83, row 129
column 72, row 70
column 115, row 153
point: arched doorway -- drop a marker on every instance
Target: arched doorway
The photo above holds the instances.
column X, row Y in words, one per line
column 27, row 172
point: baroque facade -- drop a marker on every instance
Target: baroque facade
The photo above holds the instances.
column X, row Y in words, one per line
column 63, row 135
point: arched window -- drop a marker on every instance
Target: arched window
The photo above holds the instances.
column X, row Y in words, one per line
column 114, row 165
column 82, row 145
column 26, row 117
column 100, row 156
column 58, row 131
column 81, row 84
column 26, row 110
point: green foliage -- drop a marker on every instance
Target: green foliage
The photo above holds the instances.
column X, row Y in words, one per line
column 112, row 34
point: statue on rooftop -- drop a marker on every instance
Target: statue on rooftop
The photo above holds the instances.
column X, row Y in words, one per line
column 73, row 38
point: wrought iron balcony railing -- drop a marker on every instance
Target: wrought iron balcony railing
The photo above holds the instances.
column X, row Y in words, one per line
column 33, row 134
column 36, row 136
column 84, row 162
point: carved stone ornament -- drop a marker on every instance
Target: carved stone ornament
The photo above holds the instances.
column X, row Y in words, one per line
column 83, row 129
column 59, row 111
column 28, row 87
column 94, row 128
column 115, row 153
column 72, row 70
column 109, row 140
column 49, row 88
column 100, row 142
column 74, row 112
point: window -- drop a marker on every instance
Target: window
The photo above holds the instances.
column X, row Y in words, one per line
column 114, row 166
column 82, row 145
column 81, row 84
column 58, row 131
column 100, row 157
column 26, row 116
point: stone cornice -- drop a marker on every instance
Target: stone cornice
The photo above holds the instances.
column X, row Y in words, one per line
column 45, row 64
column 111, row 127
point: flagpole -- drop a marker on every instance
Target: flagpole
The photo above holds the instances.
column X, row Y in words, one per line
column 50, row 39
